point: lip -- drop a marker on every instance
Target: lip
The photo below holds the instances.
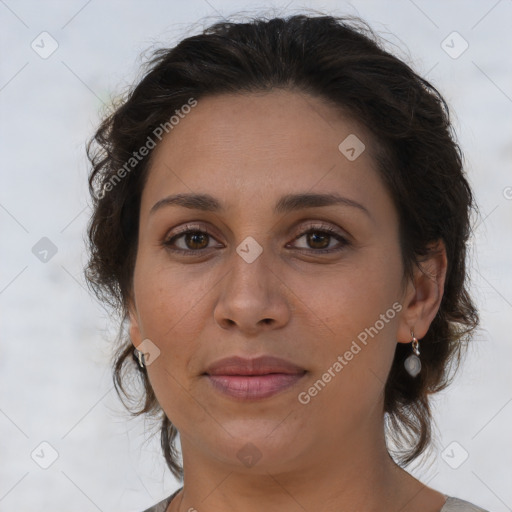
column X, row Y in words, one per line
column 253, row 379
column 262, row 365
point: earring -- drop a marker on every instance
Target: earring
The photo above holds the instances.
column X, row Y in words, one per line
column 412, row 363
column 139, row 356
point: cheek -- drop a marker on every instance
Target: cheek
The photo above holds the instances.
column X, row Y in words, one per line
column 352, row 312
column 169, row 304
column 169, row 300
column 348, row 298
column 354, row 348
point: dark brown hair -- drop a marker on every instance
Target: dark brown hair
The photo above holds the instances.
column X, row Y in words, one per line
column 343, row 62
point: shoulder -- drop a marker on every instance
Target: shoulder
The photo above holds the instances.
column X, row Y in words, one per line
column 161, row 506
column 451, row 505
column 457, row 505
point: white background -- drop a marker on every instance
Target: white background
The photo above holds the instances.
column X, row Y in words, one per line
column 55, row 340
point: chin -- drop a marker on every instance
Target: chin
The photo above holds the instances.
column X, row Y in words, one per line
column 263, row 448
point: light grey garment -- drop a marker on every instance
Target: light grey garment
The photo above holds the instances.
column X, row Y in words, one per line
column 456, row 505
column 451, row 505
column 161, row 506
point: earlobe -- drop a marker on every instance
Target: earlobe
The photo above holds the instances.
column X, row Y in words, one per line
column 424, row 295
column 134, row 330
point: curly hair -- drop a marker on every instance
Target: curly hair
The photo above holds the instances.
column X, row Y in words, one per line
column 342, row 61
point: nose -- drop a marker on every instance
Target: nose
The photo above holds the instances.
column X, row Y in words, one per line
column 252, row 297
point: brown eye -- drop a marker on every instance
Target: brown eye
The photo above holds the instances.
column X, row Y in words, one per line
column 318, row 241
column 321, row 240
column 196, row 240
column 191, row 240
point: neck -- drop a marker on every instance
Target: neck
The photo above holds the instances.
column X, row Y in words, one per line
column 357, row 474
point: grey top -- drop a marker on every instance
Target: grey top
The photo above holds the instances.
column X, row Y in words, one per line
column 451, row 505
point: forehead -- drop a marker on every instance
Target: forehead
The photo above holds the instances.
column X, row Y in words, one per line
column 255, row 144
column 265, row 124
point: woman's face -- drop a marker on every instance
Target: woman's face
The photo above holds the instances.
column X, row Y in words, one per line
column 252, row 282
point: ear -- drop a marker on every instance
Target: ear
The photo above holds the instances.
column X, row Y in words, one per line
column 134, row 330
column 424, row 294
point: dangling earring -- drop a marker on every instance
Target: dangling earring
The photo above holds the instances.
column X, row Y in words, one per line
column 139, row 355
column 412, row 363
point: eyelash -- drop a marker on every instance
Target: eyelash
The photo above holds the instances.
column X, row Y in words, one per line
column 323, row 229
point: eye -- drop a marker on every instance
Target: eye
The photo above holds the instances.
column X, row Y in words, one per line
column 320, row 240
column 191, row 239
column 194, row 239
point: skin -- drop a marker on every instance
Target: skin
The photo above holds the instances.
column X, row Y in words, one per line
column 247, row 151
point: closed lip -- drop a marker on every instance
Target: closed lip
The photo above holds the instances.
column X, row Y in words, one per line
column 262, row 365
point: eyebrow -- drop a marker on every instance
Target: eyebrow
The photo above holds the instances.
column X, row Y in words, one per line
column 287, row 203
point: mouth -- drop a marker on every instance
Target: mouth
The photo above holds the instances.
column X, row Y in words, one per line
column 253, row 379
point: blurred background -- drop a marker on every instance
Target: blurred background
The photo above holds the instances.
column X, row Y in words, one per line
column 66, row 442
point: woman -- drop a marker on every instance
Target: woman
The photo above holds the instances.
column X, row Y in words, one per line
column 281, row 216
